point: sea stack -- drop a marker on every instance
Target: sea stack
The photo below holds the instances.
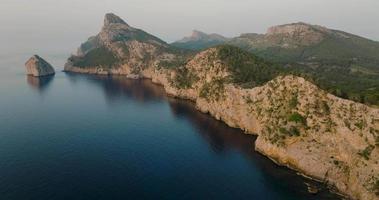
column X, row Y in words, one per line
column 37, row 66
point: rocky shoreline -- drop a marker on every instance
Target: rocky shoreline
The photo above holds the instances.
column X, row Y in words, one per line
column 233, row 110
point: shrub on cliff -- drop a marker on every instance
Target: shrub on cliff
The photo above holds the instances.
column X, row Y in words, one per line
column 213, row 90
column 247, row 69
column 296, row 117
column 184, row 78
column 97, row 57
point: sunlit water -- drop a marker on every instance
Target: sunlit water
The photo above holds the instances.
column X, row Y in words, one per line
column 91, row 137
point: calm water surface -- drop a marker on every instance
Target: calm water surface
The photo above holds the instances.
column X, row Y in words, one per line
column 91, row 137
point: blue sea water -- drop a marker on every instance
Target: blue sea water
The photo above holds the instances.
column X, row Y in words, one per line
column 85, row 137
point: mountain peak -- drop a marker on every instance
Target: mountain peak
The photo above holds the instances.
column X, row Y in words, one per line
column 199, row 36
column 196, row 34
column 293, row 28
column 111, row 18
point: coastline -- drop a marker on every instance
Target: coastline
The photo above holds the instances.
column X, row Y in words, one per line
column 160, row 77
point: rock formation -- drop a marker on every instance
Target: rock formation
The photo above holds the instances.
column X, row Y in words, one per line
column 118, row 49
column 298, row 125
column 37, row 66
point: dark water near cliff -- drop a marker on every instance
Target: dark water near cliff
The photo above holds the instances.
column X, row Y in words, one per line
column 90, row 137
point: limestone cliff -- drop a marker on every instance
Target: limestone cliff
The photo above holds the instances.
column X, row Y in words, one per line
column 298, row 125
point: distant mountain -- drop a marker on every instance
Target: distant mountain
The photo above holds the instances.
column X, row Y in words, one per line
column 301, row 42
column 200, row 40
column 346, row 65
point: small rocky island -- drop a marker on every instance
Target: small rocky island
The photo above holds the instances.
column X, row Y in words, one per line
column 37, row 66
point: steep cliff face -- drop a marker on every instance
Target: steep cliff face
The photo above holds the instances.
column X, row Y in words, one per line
column 298, row 124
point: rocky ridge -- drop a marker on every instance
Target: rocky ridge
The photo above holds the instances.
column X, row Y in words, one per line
column 298, row 125
column 198, row 35
column 290, row 36
column 200, row 40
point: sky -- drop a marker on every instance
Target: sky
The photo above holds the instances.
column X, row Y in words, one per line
column 61, row 25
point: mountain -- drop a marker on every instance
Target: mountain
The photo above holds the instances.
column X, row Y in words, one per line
column 344, row 64
column 118, row 49
column 297, row 123
column 303, row 42
column 199, row 40
column 341, row 63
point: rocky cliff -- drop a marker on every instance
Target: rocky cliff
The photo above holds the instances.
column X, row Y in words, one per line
column 298, row 125
column 37, row 66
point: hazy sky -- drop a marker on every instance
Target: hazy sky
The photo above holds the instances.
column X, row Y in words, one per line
column 60, row 25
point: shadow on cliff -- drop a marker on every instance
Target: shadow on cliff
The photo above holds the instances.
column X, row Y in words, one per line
column 221, row 138
column 41, row 84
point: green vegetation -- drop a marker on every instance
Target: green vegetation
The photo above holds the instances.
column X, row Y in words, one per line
column 96, row 57
column 339, row 80
column 336, row 162
column 136, row 34
column 296, row 117
column 325, row 107
column 248, row 70
column 367, row 152
column 343, row 64
column 197, row 45
column 336, row 74
column 213, row 90
column 293, row 131
column 179, row 61
column 376, row 187
column 335, row 77
column 360, row 124
column 346, row 66
column 293, row 102
column 184, row 78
